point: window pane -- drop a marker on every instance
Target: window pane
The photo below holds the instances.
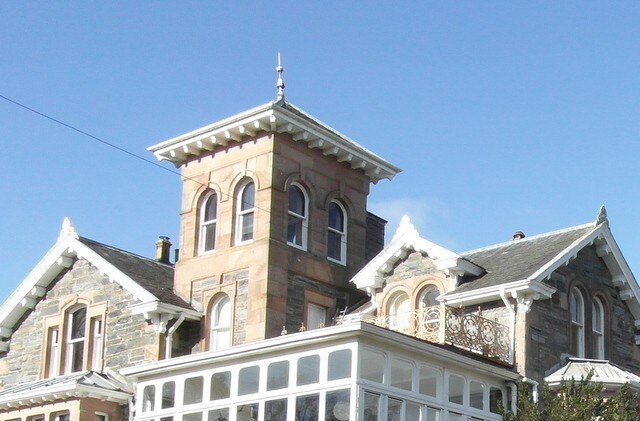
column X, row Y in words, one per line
column 412, row 411
column 196, row 416
column 456, row 389
column 294, row 230
column 371, row 405
column 247, row 227
column 394, row 409
column 220, row 385
column 296, row 201
column 433, row 414
column 278, row 375
column 168, row 395
column 372, row 365
column 248, row 380
column 248, row 412
column 308, row 370
column 210, row 209
column 148, row 398
column 495, row 399
column 248, row 197
column 218, row 415
column 337, row 405
column 339, row 364
column 316, row 316
column 78, row 319
column 336, row 218
column 193, row 390
column 401, row 374
column 429, row 381
column 275, row 410
column 209, row 232
column 77, row 352
column 476, row 395
column 455, row 417
column 307, row 408
column 334, row 245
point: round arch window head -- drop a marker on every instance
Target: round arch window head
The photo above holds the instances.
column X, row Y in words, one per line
column 245, row 213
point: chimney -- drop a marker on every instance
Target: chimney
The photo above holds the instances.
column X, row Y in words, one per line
column 518, row 235
column 163, row 248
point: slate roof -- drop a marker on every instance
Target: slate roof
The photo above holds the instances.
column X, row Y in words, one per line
column 155, row 277
column 519, row 259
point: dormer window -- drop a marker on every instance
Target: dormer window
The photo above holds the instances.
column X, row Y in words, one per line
column 337, row 234
column 208, row 220
column 245, row 209
column 76, row 340
column 297, row 224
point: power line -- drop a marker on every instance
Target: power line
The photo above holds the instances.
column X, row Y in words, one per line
column 120, row 149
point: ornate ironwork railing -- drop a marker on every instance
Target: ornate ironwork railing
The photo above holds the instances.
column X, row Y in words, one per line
column 448, row 325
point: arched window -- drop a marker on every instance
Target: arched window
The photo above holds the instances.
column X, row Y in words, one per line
column 75, row 345
column 429, row 296
column 220, row 322
column 576, row 307
column 337, row 234
column 208, row 219
column 297, row 224
column 245, row 209
column 597, row 328
column 399, row 312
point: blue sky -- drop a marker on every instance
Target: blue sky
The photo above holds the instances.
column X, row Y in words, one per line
column 505, row 116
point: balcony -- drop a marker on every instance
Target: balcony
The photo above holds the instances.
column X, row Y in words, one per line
column 448, row 325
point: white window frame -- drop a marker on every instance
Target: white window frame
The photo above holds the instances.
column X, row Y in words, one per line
column 206, row 224
column 54, row 351
column 577, row 320
column 597, row 318
column 242, row 215
column 216, row 330
column 72, row 344
column 302, row 219
column 313, row 310
column 341, row 234
column 97, row 333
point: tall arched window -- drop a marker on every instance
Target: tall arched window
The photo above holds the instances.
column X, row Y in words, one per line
column 429, row 296
column 297, row 224
column 597, row 328
column 337, row 233
column 576, row 307
column 76, row 340
column 245, row 209
column 208, row 220
column 220, row 322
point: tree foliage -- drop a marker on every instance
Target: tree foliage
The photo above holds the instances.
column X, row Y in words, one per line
column 576, row 401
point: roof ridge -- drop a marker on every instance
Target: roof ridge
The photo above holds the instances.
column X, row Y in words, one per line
column 85, row 239
column 526, row 239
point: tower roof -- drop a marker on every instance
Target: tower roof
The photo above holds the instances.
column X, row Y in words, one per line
column 276, row 116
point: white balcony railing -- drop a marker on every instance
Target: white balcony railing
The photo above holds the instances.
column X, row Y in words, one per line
column 447, row 325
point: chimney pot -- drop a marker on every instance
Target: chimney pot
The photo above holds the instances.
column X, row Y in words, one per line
column 163, row 249
column 518, row 235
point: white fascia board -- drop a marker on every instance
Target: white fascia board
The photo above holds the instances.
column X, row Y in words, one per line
column 64, row 389
column 42, row 274
column 265, row 114
column 156, row 306
column 483, row 295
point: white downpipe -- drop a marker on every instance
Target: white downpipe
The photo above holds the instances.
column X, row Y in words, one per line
column 512, row 324
column 534, row 387
column 170, row 332
column 514, row 397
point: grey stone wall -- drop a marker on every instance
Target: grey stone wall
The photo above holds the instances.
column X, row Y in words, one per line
column 240, row 315
column 129, row 339
column 375, row 236
column 414, row 265
column 549, row 321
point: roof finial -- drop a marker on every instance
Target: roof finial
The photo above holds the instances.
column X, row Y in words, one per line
column 280, row 84
column 602, row 216
column 67, row 229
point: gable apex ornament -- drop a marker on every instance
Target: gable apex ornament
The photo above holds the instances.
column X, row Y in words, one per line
column 602, row 216
column 67, row 230
column 404, row 227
